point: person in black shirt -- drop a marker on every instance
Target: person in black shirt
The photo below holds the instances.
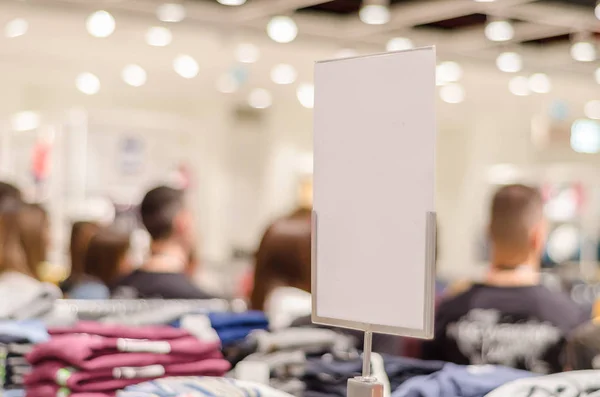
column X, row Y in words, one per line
column 509, row 319
column 170, row 225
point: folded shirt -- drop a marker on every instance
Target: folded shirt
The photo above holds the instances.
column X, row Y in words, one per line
column 249, row 319
column 111, row 379
column 120, row 331
column 79, row 349
column 29, row 298
column 460, row 381
column 565, row 384
column 25, row 331
column 200, row 387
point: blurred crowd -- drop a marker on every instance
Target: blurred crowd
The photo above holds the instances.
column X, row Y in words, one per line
column 507, row 318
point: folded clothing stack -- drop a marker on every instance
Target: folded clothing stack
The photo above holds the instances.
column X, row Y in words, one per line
column 94, row 359
column 17, row 338
column 281, row 358
column 230, row 328
column 200, row 387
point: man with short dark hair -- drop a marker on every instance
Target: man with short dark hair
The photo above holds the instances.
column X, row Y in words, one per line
column 509, row 319
column 171, row 226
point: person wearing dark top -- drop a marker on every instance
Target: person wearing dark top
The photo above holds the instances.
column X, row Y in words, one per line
column 170, row 225
column 509, row 319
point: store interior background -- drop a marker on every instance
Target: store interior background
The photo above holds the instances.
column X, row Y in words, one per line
column 247, row 151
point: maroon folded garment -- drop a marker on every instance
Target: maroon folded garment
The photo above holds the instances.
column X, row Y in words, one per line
column 49, row 390
column 56, row 373
column 94, row 352
column 120, row 331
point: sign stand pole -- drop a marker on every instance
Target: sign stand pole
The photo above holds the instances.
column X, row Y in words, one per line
column 365, row 385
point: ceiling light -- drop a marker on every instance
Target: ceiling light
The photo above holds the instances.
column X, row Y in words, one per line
column 88, row 83
column 375, row 12
column 25, row 121
column 452, row 93
column 448, row 72
column 540, row 83
column 227, row 84
column 282, row 29
column 283, row 74
column 15, row 28
column 592, row 109
column 134, row 75
column 597, row 10
column 399, row 44
column 247, row 53
column 597, row 75
column 186, row 66
column 346, row 53
column 170, row 12
column 260, row 98
column 509, row 62
column 100, row 24
column 499, row 31
column 306, row 95
column 583, row 51
column 231, row 2
column 158, row 36
column 519, row 86
column 585, row 136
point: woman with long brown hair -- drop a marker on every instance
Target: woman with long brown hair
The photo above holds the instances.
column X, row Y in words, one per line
column 282, row 268
column 34, row 231
column 105, row 261
column 81, row 234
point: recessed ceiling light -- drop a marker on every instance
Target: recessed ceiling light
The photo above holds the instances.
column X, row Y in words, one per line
column 88, row 83
column 519, row 86
column 540, row 83
column 186, row 66
column 452, row 93
column 399, row 44
column 374, row 14
column 283, row 74
column 346, row 53
column 170, row 12
column 159, row 36
column 25, row 121
column 597, row 10
column 583, row 51
column 306, row 95
column 247, row 53
column 592, row 109
column 499, row 31
column 100, row 24
column 585, row 136
column 134, row 75
column 232, row 2
column 260, row 98
column 448, row 72
column 282, row 29
column 509, row 62
column 15, row 28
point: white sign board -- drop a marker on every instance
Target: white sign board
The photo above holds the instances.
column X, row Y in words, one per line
column 374, row 176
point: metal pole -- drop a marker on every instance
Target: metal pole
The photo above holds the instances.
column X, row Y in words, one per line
column 366, row 370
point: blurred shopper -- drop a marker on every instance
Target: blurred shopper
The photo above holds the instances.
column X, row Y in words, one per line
column 34, row 230
column 22, row 296
column 509, row 319
column 81, row 234
column 171, row 226
column 282, row 272
column 10, row 197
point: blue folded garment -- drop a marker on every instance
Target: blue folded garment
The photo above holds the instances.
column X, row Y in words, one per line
column 250, row 319
column 460, row 381
column 33, row 331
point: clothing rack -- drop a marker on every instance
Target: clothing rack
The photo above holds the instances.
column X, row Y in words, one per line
column 95, row 309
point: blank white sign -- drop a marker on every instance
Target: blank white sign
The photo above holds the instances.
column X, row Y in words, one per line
column 374, row 177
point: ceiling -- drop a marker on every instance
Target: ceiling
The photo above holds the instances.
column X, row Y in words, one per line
column 543, row 28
